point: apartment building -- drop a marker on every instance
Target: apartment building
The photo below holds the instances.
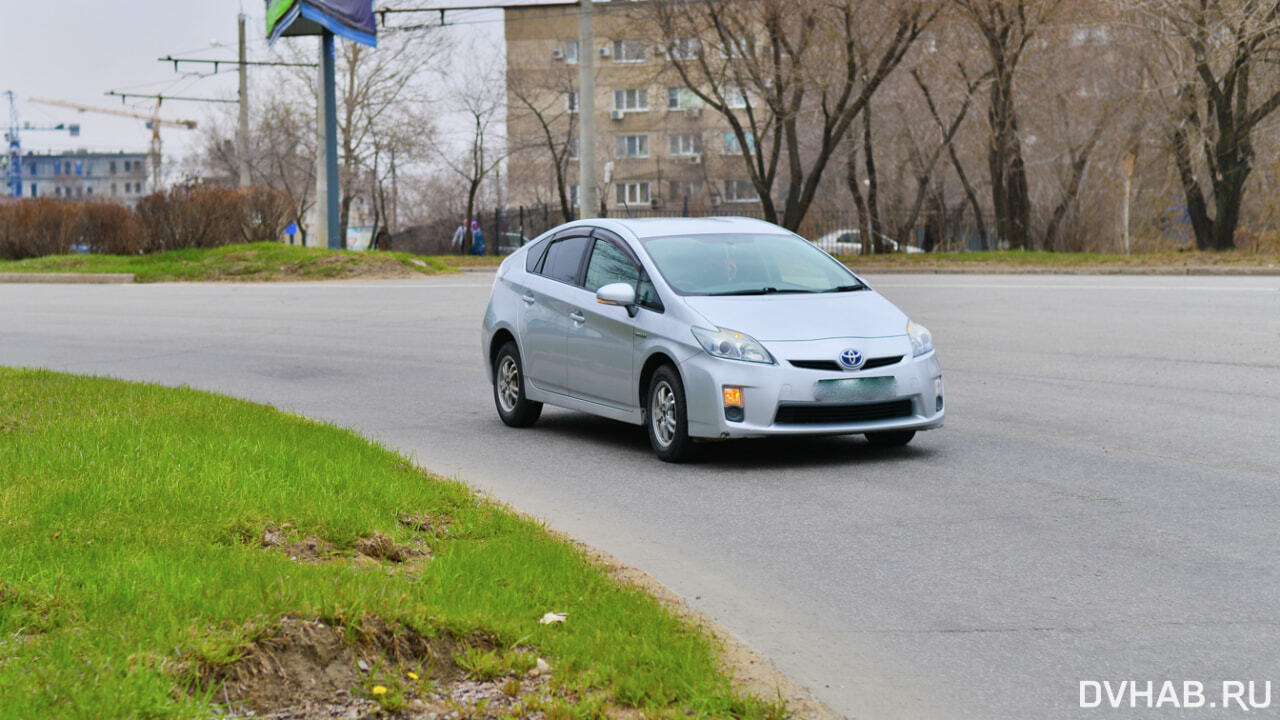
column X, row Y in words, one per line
column 657, row 147
column 82, row 174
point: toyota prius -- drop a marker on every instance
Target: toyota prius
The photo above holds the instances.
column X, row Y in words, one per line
column 702, row 329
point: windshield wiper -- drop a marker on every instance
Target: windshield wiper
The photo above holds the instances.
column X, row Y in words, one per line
column 847, row 288
column 760, row 291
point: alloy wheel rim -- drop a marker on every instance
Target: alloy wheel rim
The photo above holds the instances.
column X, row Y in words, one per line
column 508, row 383
column 663, row 413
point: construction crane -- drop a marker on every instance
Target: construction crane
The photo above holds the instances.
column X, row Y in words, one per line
column 15, row 143
column 154, row 123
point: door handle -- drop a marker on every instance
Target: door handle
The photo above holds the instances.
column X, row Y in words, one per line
column 641, row 334
column 578, row 316
column 528, row 299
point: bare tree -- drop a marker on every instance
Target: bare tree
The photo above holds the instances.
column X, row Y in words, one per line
column 545, row 102
column 1216, row 72
column 788, row 77
column 1007, row 28
column 476, row 152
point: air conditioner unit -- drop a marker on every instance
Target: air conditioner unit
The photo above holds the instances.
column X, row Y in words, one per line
column 557, row 54
column 606, row 51
column 653, row 202
column 618, row 114
column 715, row 200
column 693, row 112
column 695, row 159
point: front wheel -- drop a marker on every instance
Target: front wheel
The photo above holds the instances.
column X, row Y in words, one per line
column 667, row 419
column 514, row 408
column 890, row 438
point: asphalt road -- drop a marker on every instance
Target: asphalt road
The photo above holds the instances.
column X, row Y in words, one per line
column 1102, row 505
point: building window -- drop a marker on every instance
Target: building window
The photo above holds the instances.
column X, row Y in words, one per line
column 32, row 167
column 740, row 191
column 33, row 190
column 732, row 146
column 89, row 190
column 138, row 187
column 573, row 196
column 635, row 193
column 673, row 99
column 734, row 97
column 57, row 168
column 633, row 51
column 57, row 191
column 682, row 190
column 684, row 49
column 684, row 144
column 738, row 48
column 113, row 189
column 632, row 99
column 572, row 150
column 636, row 146
column 571, row 101
column 111, row 167
column 66, row 167
column 571, row 52
column 126, row 166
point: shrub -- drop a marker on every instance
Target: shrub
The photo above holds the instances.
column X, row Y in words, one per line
column 36, row 227
column 110, row 229
column 266, row 213
column 190, row 217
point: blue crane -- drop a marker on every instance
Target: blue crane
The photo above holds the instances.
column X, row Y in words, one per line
column 15, row 144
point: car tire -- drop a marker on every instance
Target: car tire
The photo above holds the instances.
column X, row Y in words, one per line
column 666, row 417
column 890, row 438
column 514, row 408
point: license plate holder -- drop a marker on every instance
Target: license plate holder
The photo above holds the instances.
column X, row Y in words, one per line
column 855, row 389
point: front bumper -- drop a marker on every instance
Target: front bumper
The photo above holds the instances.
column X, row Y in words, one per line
column 906, row 395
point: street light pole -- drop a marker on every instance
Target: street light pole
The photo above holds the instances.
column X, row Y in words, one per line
column 242, row 139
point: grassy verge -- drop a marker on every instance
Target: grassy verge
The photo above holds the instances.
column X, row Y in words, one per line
column 248, row 261
column 153, row 541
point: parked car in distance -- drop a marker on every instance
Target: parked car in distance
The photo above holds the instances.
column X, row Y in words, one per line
column 510, row 242
column 703, row 329
column 848, row 241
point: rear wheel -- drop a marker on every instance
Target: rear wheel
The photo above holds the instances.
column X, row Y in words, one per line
column 666, row 417
column 514, row 408
column 890, row 438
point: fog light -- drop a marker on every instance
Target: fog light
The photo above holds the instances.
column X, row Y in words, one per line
column 733, row 403
column 937, row 390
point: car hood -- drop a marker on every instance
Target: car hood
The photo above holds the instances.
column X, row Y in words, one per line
column 786, row 317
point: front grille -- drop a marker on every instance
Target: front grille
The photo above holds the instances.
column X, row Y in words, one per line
column 816, row 364
column 833, row 365
column 814, row 414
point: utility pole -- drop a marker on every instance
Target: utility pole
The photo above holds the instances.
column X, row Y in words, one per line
column 326, row 207
column 242, row 141
column 586, row 113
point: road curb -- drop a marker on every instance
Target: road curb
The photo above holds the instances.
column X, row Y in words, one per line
column 82, row 278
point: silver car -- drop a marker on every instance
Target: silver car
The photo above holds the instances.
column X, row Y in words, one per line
column 701, row 329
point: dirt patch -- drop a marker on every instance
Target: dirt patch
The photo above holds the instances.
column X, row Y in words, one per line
column 381, row 547
column 307, row 668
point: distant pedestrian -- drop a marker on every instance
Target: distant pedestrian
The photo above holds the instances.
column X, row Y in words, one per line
column 477, row 239
column 458, row 236
column 382, row 241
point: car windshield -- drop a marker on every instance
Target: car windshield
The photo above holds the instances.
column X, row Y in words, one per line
column 746, row 264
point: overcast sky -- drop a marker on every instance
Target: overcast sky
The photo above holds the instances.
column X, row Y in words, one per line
column 78, row 50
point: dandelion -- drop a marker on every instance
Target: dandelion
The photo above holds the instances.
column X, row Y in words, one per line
column 413, row 675
column 379, row 690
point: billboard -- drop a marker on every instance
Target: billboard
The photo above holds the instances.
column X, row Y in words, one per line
column 350, row 19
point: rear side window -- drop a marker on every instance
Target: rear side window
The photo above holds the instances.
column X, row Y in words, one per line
column 534, row 256
column 564, row 259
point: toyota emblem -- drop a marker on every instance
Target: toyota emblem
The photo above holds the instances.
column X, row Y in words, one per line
column 851, row 359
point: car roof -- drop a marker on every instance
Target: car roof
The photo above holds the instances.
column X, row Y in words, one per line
column 660, row 226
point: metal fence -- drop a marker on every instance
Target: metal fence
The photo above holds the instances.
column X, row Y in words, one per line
column 505, row 229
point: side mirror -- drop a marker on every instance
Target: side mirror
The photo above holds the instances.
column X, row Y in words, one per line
column 620, row 294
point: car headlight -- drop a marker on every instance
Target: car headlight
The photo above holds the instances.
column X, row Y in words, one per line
column 731, row 344
column 921, row 338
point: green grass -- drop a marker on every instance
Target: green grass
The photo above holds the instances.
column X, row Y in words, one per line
column 130, row 525
column 247, row 261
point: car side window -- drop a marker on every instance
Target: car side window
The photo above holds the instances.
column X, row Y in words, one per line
column 609, row 264
column 564, row 259
column 534, row 257
column 647, row 295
